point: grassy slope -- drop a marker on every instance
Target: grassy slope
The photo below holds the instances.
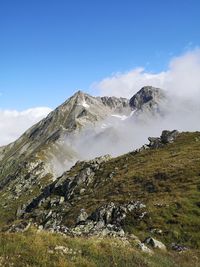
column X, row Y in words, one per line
column 167, row 180
column 173, row 174
column 38, row 250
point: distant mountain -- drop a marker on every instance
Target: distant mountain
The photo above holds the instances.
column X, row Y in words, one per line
column 53, row 145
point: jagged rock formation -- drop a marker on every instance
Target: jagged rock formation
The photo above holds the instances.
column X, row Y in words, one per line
column 108, row 219
column 58, row 195
column 165, row 138
column 147, row 102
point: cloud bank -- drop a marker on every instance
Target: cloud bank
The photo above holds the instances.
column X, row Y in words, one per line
column 13, row 123
column 181, row 79
column 181, row 111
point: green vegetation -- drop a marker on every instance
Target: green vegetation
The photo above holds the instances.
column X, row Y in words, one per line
column 167, row 180
column 42, row 249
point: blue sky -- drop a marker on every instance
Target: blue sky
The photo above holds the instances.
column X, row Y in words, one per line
column 50, row 48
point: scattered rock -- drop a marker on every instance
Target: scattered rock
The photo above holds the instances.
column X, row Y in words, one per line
column 107, row 219
column 144, row 248
column 82, row 216
column 156, row 231
column 154, row 243
column 20, row 227
column 178, row 248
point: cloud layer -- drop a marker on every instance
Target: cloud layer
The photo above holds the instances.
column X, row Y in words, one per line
column 182, row 79
column 13, row 123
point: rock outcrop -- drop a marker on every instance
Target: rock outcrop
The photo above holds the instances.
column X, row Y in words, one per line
column 165, row 138
column 147, row 102
column 108, row 219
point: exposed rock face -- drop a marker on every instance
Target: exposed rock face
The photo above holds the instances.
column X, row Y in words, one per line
column 65, row 187
column 108, row 219
column 42, row 145
column 169, row 136
column 158, row 142
column 165, row 138
column 148, row 100
column 118, row 104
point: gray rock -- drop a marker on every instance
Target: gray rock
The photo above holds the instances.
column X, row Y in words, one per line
column 178, row 248
column 155, row 142
column 107, row 219
column 154, row 243
column 82, row 216
column 169, row 136
column 165, row 138
column 144, row 248
column 147, row 95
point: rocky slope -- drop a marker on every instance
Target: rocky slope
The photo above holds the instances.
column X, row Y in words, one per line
column 47, row 149
column 35, row 154
column 150, row 192
column 147, row 198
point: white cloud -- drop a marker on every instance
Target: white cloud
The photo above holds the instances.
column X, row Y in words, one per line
column 181, row 79
column 13, row 123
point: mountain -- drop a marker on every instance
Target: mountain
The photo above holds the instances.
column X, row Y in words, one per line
column 48, row 148
column 36, row 150
column 56, row 178
column 145, row 202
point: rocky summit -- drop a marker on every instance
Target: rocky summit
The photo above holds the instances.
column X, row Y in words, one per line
column 140, row 207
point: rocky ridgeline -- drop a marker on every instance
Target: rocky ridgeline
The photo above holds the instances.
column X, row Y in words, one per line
column 108, row 219
column 166, row 137
column 147, row 102
column 57, row 197
column 48, row 210
column 51, row 205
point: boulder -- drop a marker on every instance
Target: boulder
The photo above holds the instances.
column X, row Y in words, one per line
column 165, row 138
column 154, row 243
column 169, row 136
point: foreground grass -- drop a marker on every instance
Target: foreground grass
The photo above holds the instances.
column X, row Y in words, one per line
column 41, row 249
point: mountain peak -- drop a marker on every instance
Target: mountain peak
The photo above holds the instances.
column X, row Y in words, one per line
column 147, row 95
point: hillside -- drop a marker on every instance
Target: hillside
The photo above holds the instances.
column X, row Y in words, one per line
column 166, row 180
column 144, row 203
